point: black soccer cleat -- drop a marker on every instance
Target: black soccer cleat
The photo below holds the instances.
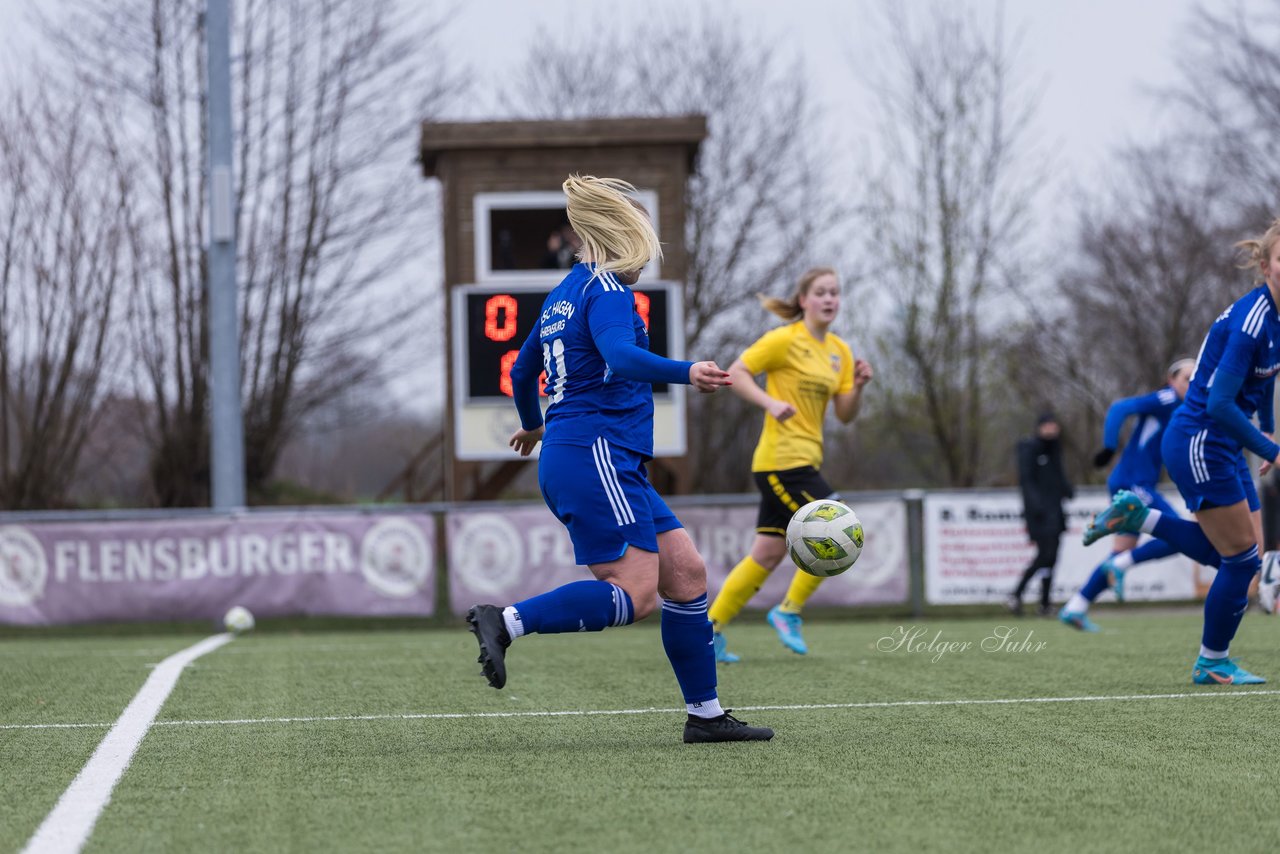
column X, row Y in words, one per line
column 491, row 631
column 724, row 728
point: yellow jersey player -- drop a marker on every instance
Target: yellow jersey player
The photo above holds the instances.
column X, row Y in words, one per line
column 805, row 366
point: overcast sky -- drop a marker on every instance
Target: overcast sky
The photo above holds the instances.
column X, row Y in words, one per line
column 1094, row 60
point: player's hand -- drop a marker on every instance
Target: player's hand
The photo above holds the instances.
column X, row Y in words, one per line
column 780, row 409
column 706, row 377
column 524, row 441
column 1103, row 457
column 863, row 373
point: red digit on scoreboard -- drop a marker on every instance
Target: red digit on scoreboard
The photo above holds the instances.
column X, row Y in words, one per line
column 504, row 371
column 504, row 374
column 506, row 305
column 642, row 306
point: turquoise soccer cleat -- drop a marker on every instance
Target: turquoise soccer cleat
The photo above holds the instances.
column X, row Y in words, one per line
column 1077, row 620
column 1222, row 671
column 1115, row 575
column 1125, row 516
column 723, row 656
column 788, row 628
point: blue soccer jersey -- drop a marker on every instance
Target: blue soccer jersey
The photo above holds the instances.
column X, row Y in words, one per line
column 1140, row 462
column 593, row 346
column 1240, row 352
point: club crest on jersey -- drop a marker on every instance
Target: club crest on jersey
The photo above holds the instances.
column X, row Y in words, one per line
column 835, row 363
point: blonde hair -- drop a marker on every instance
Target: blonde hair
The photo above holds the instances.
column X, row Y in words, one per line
column 615, row 229
column 789, row 308
column 1258, row 249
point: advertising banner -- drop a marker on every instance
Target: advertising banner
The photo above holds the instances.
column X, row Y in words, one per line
column 976, row 548
column 502, row 556
column 345, row 564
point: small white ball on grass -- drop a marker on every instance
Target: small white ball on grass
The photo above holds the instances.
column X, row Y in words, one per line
column 238, row 620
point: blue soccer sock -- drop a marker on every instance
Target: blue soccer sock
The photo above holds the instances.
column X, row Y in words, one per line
column 1152, row 550
column 1097, row 582
column 1227, row 599
column 1184, row 536
column 687, row 636
column 580, row 606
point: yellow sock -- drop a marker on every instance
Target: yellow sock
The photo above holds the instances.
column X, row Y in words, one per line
column 802, row 587
column 743, row 582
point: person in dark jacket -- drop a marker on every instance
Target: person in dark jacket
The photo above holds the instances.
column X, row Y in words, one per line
column 1044, row 488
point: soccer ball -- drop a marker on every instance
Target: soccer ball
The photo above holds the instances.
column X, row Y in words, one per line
column 824, row 538
column 238, row 620
column 1269, row 582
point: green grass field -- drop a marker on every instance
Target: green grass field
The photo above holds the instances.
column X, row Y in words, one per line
column 377, row 741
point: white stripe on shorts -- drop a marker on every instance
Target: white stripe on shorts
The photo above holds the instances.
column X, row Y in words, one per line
column 609, row 479
column 1199, row 467
column 627, row 513
column 613, row 502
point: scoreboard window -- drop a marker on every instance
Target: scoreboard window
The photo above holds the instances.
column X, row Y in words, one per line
column 531, row 239
column 497, row 322
column 525, row 236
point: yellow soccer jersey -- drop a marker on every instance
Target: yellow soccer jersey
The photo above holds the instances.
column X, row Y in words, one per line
column 806, row 373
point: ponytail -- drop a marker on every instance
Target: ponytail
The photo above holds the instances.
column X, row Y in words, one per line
column 1257, row 250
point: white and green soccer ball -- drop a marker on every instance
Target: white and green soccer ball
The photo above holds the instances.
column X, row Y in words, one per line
column 824, row 537
column 238, row 620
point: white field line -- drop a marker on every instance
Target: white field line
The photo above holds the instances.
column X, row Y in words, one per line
column 67, row 827
column 575, row 713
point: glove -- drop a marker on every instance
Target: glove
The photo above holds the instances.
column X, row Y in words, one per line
column 1103, row 457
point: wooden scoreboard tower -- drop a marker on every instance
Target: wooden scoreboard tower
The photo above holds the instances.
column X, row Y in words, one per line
column 507, row 243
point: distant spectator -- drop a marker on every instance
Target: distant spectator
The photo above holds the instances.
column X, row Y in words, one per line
column 1044, row 489
column 570, row 244
column 504, row 252
column 562, row 249
column 551, row 258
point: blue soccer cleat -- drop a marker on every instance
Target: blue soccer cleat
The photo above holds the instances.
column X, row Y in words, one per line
column 1115, row 575
column 788, row 628
column 1222, row 671
column 723, row 656
column 1077, row 620
column 1125, row 516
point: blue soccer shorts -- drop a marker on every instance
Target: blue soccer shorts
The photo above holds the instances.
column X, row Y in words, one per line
column 603, row 496
column 1209, row 469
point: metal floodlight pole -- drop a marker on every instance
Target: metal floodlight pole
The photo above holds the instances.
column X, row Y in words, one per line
column 226, row 425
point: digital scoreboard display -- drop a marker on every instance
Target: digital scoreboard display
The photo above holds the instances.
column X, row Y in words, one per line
column 488, row 323
column 495, row 322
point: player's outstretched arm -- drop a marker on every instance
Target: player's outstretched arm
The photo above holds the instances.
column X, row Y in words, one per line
column 745, row 386
column 610, row 316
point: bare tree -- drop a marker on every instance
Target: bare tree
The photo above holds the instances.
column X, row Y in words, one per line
column 328, row 96
column 1150, row 270
column 1230, row 99
column 761, row 205
column 947, row 222
column 62, row 253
